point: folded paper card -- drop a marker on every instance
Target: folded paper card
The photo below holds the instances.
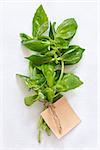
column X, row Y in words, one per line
column 60, row 116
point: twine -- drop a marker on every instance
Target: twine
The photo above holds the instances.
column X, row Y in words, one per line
column 51, row 108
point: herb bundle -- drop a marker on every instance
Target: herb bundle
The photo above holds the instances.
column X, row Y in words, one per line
column 47, row 77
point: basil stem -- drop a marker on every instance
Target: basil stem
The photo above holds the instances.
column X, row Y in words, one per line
column 40, row 128
column 62, row 71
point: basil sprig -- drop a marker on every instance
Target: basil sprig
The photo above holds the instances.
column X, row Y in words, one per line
column 47, row 77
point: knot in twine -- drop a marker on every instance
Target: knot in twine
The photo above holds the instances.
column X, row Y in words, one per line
column 51, row 108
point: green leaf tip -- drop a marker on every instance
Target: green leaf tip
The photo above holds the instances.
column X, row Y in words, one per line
column 29, row 100
column 40, row 22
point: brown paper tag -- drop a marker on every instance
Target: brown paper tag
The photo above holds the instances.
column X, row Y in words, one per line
column 67, row 117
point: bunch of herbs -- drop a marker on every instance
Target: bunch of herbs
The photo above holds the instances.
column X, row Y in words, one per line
column 47, row 77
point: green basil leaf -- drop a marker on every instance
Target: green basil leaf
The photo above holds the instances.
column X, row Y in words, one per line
column 25, row 37
column 49, row 93
column 36, row 74
column 66, row 29
column 43, row 28
column 32, row 70
column 50, row 53
column 44, row 125
column 39, row 59
column 30, row 83
column 40, row 22
column 68, row 82
column 52, row 30
column 41, row 95
column 57, row 75
column 40, row 79
column 61, row 43
column 37, row 45
column 48, row 130
column 48, row 71
column 29, row 100
column 43, row 38
column 72, row 55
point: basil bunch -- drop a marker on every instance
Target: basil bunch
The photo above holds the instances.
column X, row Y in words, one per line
column 46, row 68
